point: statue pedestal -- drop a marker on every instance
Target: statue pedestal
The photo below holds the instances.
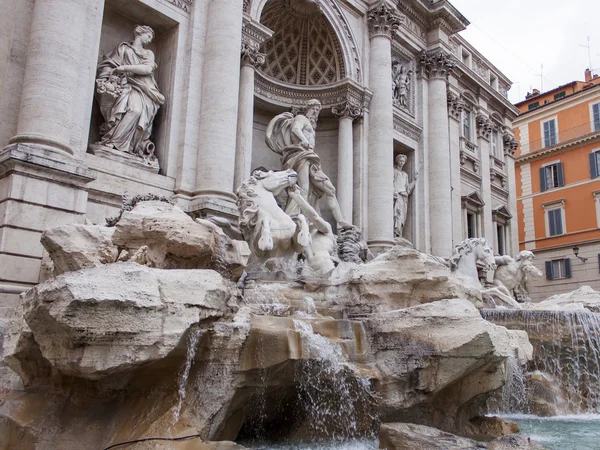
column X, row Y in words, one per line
column 124, row 158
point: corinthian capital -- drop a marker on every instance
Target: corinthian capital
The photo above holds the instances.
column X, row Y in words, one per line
column 250, row 53
column 349, row 108
column 383, row 20
column 437, row 65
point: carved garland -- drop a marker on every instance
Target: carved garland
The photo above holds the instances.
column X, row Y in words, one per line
column 350, row 108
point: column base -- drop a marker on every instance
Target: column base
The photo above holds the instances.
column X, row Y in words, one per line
column 219, row 204
column 379, row 246
column 40, row 188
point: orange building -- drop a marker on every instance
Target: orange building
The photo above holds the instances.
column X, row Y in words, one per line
column 558, row 185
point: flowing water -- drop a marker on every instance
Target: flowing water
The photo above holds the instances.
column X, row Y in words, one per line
column 575, row 432
column 352, row 444
column 182, row 379
column 566, row 353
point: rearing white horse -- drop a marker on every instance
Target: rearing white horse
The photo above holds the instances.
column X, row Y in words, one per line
column 472, row 254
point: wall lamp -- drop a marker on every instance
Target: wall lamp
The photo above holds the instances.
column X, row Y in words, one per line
column 576, row 251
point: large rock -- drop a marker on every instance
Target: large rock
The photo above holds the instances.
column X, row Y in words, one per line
column 170, row 239
column 578, row 300
column 96, row 322
column 408, row 436
column 438, row 362
column 77, row 246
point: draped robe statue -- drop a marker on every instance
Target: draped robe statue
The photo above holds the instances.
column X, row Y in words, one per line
column 129, row 97
column 293, row 137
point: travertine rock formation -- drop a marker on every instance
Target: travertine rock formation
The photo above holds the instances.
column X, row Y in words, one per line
column 584, row 297
column 124, row 351
column 106, row 320
column 74, row 247
column 408, row 436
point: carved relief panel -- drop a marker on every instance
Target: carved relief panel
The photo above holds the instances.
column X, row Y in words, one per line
column 403, row 82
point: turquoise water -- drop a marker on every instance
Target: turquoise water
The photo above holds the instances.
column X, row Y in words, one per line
column 335, row 445
column 577, row 432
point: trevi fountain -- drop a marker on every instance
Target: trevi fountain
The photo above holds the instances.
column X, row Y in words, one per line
column 277, row 323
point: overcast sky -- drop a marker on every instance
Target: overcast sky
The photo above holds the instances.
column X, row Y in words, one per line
column 519, row 35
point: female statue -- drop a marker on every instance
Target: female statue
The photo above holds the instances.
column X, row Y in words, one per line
column 128, row 96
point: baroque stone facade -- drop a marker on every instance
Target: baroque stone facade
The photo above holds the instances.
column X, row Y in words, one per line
column 392, row 78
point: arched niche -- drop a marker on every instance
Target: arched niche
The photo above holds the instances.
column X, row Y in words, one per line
column 331, row 11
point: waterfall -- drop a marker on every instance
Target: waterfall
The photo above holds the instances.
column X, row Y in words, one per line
column 566, row 359
column 325, row 386
column 193, row 338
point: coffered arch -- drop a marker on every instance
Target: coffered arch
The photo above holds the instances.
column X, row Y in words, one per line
column 330, row 25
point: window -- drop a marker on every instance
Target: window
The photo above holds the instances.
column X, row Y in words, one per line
column 555, row 223
column 596, row 116
column 471, row 225
column 594, row 164
column 558, row 268
column 494, row 143
column 552, row 176
column 493, row 81
column 550, row 137
column 533, row 105
column 501, row 234
column 560, row 95
column 466, row 58
column 467, row 125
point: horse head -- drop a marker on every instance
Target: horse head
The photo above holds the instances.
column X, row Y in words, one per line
column 275, row 181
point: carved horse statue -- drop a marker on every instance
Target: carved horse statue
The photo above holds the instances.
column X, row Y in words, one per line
column 473, row 255
column 513, row 274
column 269, row 231
column 470, row 256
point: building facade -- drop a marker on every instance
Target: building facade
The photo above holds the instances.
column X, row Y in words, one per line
column 558, row 185
column 392, row 77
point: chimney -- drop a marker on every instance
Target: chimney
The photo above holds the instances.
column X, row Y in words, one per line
column 588, row 75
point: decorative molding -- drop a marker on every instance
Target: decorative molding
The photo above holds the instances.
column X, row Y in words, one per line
column 406, row 127
column 185, row 5
column 254, row 31
column 484, row 126
column 251, row 54
column 289, row 95
column 246, row 7
column 455, row 105
column 437, row 65
column 347, row 30
column 350, row 108
column 383, row 20
column 510, row 143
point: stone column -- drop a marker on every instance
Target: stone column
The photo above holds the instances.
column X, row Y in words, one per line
column 41, row 171
column 347, row 112
column 484, row 129
column 219, row 113
column 383, row 21
column 52, row 74
column 251, row 58
column 512, row 238
column 436, row 67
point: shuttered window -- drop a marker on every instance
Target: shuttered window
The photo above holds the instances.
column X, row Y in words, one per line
column 550, row 133
column 558, row 268
column 596, row 116
column 595, row 164
column 555, row 225
column 552, row 176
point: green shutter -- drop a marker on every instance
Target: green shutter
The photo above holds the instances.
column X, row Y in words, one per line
column 549, row 274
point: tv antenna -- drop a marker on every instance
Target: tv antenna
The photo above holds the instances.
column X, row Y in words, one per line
column 541, row 75
column 589, row 47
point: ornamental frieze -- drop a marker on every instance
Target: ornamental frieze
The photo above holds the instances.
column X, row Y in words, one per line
column 185, row 5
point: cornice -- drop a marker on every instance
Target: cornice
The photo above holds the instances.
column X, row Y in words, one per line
column 291, row 95
column 255, row 31
column 406, row 126
column 591, row 137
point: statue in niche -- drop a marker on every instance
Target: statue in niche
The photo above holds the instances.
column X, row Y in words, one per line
column 400, row 83
column 129, row 97
column 402, row 191
column 293, row 137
